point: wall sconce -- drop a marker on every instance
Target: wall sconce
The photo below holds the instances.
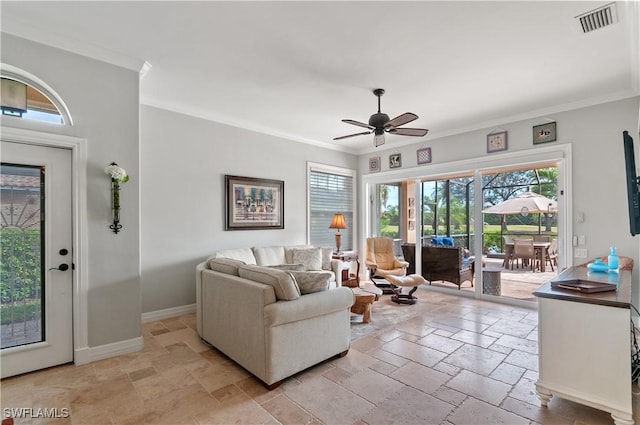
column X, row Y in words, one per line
column 338, row 222
column 118, row 176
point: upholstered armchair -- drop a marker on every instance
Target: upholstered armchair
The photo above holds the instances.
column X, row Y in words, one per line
column 381, row 260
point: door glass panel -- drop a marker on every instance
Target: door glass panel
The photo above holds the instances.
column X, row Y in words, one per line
column 21, row 239
column 389, row 213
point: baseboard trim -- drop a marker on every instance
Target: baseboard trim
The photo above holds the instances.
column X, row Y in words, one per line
column 168, row 313
column 92, row 354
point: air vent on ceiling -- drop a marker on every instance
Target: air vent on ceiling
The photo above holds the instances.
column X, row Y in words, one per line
column 598, row 18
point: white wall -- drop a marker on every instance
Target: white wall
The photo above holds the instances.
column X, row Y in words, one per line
column 103, row 101
column 599, row 185
column 184, row 161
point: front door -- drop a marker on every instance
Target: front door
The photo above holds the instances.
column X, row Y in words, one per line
column 36, row 260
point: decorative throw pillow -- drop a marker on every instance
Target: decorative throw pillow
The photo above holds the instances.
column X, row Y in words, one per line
column 327, row 253
column 310, row 257
column 447, row 241
column 225, row 265
column 284, row 285
column 310, row 282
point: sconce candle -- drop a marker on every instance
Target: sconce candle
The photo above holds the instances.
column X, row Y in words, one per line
column 118, row 176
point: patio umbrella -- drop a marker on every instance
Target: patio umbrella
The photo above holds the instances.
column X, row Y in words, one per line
column 527, row 203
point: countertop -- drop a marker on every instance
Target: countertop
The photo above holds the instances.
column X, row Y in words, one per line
column 621, row 297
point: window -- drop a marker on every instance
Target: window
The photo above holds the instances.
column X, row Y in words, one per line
column 330, row 192
column 25, row 96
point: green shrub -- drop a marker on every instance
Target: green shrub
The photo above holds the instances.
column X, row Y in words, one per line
column 19, row 312
column 20, row 264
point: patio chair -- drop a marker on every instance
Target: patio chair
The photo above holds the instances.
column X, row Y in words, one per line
column 523, row 250
column 541, row 238
column 551, row 253
column 507, row 243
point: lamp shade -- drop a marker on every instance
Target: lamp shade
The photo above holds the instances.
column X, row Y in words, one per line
column 338, row 222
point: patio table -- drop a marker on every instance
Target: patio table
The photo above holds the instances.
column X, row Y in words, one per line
column 540, row 248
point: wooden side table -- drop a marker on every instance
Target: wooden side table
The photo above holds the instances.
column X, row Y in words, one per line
column 365, row 296
column 348, row 280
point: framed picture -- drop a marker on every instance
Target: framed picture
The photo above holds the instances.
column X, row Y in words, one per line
column 411, row 202
column 253, row 204
column 544, row 133
column 424, row 156
column 395, row 160
column 497, row 142
column 374, row 164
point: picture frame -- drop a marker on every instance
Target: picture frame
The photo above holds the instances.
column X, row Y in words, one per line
column 395, row 160
column 253, row 203
column 423, row 156
column 544, row 133
column 374, row 164
column 497, row 142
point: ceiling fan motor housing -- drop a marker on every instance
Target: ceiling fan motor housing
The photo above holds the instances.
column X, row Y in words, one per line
column 378, row 120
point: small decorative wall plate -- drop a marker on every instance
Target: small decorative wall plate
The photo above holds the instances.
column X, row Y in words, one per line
column 395, row 160
column 424, row 156
column 544, row 133
column 374, row 164
column 497, row 142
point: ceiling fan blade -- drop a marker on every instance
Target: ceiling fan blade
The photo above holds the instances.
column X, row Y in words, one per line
column 405, row 118
column 409, row 131
column 358, row 123
column 352, row 135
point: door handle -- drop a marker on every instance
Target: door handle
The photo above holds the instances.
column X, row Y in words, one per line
column 62, row 267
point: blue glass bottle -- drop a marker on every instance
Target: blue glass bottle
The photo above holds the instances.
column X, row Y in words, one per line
column 613, row 260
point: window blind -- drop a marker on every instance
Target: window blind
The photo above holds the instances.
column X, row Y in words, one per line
column 330, row 193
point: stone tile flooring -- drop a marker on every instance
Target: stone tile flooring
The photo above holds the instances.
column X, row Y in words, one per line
column 460, row 361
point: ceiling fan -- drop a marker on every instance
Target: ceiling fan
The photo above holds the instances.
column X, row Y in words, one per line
column 380, row 123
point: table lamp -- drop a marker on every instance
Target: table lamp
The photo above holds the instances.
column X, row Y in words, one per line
column 338, row 222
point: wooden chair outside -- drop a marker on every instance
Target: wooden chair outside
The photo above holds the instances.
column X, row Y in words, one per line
column 523, row 250
column 541, row 238
column 507, row 243
column 551, row 253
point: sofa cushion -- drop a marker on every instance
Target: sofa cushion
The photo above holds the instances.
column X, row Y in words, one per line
column 310, row 282
column 310, row 257
column 288, row 267
column 242, row 254
column 225, row 265
column 288, row 252
column 442, row 241
column 269, row 255
column 283, row 283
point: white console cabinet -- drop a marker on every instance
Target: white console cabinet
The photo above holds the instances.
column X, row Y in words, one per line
column 585, row 344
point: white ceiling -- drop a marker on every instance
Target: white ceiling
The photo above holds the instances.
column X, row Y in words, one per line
column 295, row 69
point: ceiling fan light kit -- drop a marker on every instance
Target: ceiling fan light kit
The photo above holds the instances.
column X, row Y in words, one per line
column 379, row 123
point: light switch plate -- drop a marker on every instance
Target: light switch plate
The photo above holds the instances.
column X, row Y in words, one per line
column 580, row 252
column 582, row 240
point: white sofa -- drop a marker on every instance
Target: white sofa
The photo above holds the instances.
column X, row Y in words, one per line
column 268, row 315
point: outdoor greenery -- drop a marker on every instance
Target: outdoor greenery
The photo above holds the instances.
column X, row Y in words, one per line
column 389, row 221
column 20, row 264
column 503, row 186
column 439, row 195
column 19, row 312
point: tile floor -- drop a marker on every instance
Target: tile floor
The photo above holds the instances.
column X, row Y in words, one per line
column 460, row 361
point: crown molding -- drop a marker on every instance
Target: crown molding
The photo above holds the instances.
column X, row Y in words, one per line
column 74, row 45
